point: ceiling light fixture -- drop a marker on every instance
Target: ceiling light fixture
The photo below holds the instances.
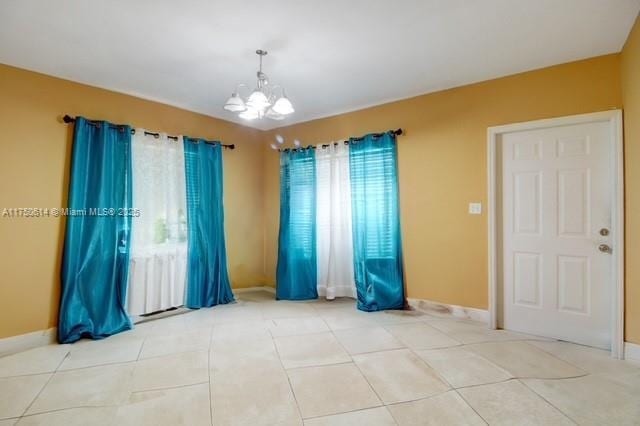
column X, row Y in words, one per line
column 262, row 102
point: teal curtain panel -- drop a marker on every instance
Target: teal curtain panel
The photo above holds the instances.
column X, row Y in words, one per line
column 377, row 243
column 296, row 273
column 207, row 275
column 96, row 249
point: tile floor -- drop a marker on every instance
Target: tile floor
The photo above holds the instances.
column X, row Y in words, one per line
column 261, row 362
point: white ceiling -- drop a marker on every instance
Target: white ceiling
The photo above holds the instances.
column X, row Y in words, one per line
column 332, row 56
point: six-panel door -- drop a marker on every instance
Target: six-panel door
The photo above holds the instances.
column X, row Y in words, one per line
column 556, row 198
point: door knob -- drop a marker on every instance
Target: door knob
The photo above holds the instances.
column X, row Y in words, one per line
column 604, row 248
column 604, row 232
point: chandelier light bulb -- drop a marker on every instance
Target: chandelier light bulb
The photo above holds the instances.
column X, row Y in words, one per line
column 274, row 146
column 258, row 100
column 297, row 143
column 283, row 106
column 279, row 139
column 235, row 104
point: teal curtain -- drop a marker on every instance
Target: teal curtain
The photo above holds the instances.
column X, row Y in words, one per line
column 297, row 270
column 377, row 244
column 207, row 276
column 95, row 261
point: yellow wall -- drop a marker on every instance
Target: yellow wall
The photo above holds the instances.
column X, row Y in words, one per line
column 442, row 160
column 630, row 66
column 34, row 172
column 442, row 164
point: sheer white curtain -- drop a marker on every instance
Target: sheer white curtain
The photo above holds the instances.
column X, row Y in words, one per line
column 333, row 221
column 157, row 269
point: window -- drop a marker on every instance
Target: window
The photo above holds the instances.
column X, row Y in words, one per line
column 374, row 179
column 299, row 179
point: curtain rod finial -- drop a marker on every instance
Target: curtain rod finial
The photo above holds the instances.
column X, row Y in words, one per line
column 68, row 119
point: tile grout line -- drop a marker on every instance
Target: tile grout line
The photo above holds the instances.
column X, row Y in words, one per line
column 306, row 367
column 295, row 398
column 17, row 376
column 46, row 384
column 152, row 357
column 63, row 360
column 454, row 389
column 426, row 349
column 108, row 364
column 168, row 388
column 547, row 401
column 37, row 395
column 144, row 341
column 485, row 384
column 471, row 406
column 57, row 410
column 555, row 356
column 585, row 373
column 552, row 378
column 352, row 411
column 382, row 403
column 209, row 376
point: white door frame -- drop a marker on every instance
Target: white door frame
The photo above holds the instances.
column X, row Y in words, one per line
column 614, row 118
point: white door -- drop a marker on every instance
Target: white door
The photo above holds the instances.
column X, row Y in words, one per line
column 556, row 210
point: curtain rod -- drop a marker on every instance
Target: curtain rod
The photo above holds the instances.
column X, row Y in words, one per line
column 68, row 119
column 396, row 132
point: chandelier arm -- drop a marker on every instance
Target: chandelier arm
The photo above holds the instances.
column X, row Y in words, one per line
column 272, row 94
column 239, row 85
column 277, row 86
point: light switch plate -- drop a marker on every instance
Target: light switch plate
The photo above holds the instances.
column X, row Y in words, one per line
column 475, row 208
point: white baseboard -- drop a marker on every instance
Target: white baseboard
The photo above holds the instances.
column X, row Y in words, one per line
column 246, row 289
column 632, row 351
column 445, row 310
column 22, row 342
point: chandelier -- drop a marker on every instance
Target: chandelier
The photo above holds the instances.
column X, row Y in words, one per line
column 263, row 101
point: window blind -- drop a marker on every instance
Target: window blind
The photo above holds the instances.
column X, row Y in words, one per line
column 374, row 174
